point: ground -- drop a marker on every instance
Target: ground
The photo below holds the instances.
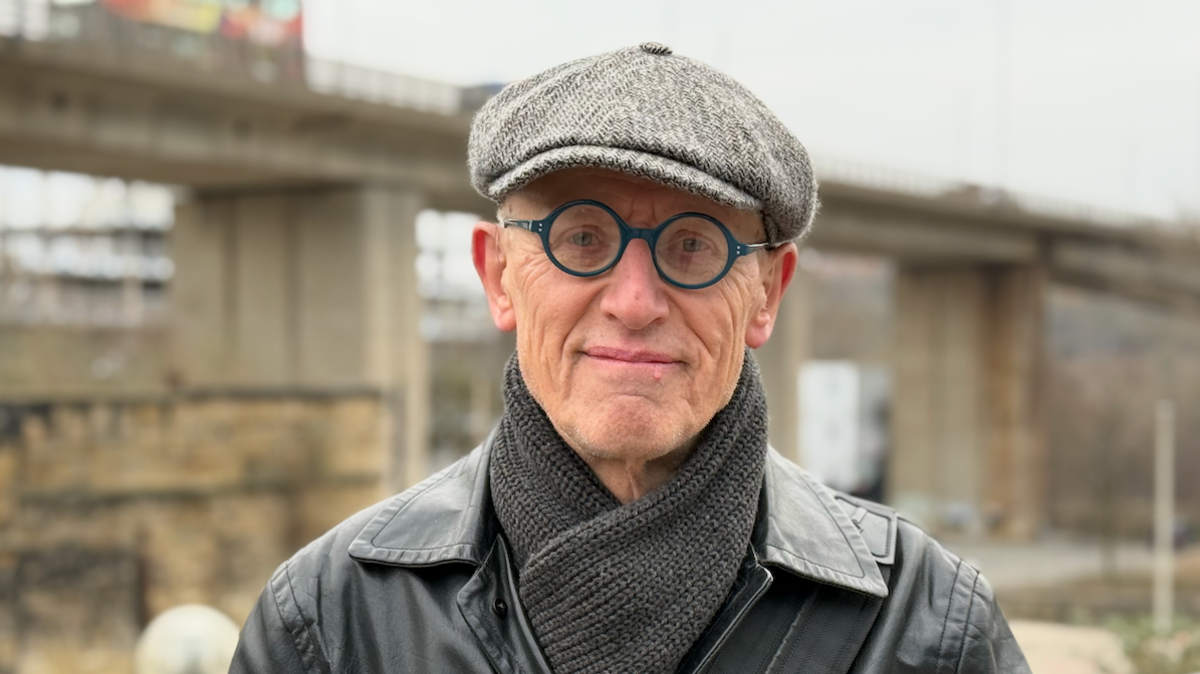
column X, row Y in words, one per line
column 1052, row 648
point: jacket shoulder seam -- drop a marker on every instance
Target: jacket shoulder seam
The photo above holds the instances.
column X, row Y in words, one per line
column 946, row 620
column 302, row 641
column 962, row 647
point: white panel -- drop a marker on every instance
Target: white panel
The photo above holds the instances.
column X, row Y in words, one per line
column 829, row 429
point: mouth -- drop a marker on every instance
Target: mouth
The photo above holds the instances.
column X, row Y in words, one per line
column 632, row 367
column 630, row 356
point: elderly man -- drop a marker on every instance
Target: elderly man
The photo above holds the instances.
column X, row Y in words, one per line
column 627, row 514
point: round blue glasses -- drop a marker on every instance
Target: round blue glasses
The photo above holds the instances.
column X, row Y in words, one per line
column 586, row 238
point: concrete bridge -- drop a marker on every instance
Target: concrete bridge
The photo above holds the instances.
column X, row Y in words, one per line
column 295, row 253
column 969, row 372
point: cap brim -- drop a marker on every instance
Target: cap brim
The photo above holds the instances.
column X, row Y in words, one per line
column 650, row 166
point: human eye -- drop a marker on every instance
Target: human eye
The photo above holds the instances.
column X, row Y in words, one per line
column 691, row 243
column 692, row 250
column 583, row 238
column 584, row 247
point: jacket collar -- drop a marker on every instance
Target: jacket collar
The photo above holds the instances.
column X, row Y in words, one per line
column 448, row 518
column 802, row 528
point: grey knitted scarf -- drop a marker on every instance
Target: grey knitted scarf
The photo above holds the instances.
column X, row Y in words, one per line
column 626, row 588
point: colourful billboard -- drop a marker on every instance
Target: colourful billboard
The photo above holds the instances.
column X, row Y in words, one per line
column 265, row 22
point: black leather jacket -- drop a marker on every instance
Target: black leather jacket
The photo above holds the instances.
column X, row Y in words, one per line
column 423, row 582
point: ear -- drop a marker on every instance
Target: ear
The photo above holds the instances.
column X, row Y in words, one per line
column 489, row 264
column 777, row 273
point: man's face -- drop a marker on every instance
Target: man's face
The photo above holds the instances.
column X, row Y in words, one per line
column 627, row 366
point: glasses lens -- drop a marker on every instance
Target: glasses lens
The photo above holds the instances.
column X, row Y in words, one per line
column 692, row 251
column 585, row 238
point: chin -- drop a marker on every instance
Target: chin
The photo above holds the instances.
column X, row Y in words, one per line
column 624, row 439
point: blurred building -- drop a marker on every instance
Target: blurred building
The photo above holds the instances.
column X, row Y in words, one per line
column 109, row 276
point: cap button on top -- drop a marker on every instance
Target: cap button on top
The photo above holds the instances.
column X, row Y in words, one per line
column 656, row 48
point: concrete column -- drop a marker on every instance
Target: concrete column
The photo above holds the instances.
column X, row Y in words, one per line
column 780, row 360
column 966, row 427
column 1016, row 376
column 307, row 289
column 201, row 291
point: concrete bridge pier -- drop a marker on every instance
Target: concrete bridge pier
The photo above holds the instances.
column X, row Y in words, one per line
column 968, row 440
column 307, row 290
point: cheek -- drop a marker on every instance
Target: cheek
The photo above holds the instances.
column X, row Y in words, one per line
column 727, row 318
column 752, row 295
column 547, row 303
column 526, row 277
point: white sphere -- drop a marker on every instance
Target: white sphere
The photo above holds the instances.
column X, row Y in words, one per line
column 188, row 639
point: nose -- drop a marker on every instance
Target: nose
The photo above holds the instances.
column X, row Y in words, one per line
column 634, row 294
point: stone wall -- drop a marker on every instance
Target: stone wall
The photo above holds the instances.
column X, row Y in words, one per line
column 112, row 511
column 45, row 360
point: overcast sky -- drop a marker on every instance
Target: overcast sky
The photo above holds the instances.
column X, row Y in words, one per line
column 1085, row 100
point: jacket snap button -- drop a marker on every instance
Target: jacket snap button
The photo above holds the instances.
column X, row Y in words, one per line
column 500, row 607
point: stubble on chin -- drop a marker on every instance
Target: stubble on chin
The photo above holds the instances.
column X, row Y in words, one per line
column 616, row 437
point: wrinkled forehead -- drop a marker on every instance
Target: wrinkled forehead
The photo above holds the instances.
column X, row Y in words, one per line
column 639, row 201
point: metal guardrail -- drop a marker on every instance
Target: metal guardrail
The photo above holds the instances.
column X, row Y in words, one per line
column 880, row 178
column 918, row 185
column 377, row 86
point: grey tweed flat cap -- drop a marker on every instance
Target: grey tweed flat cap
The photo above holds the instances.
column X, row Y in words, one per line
column 647, row 112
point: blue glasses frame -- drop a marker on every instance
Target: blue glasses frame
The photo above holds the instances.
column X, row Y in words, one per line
column 650, row 236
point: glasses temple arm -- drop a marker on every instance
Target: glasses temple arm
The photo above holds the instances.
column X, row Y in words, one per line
column 534, row 226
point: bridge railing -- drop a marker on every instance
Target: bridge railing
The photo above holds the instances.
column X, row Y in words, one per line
column 378, row 86
column 915, row 184
column 90, row 27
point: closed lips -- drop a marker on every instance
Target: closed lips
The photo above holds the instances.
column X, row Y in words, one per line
column 630, row 356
